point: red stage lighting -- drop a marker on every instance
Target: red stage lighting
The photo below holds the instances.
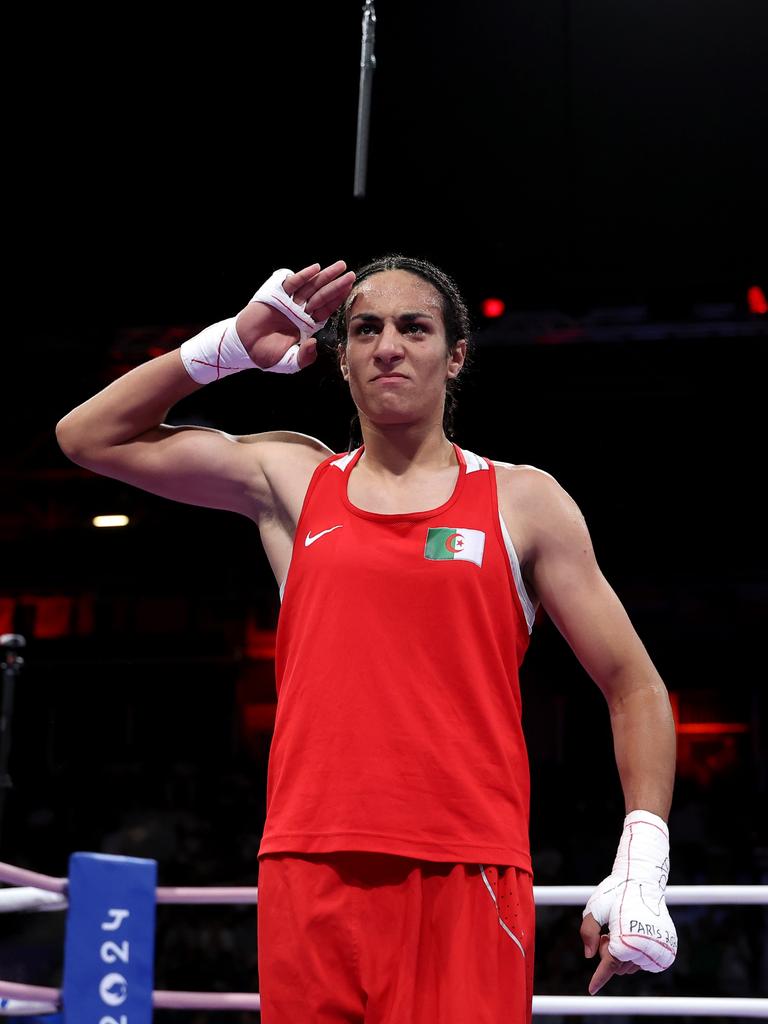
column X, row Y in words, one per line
column 756, row 300
column 492, row 308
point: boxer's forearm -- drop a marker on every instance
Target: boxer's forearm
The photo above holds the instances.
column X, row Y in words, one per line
column 644, row 743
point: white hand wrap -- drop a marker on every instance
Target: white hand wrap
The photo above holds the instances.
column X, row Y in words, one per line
column 631, row 899
column 215, row 352
column 273, row 294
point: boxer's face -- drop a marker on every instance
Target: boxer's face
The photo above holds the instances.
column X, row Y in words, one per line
column 397, row 360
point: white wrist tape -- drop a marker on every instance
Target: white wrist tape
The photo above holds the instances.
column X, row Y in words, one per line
column 274, row 295
column 217, row 351
column 631, row 899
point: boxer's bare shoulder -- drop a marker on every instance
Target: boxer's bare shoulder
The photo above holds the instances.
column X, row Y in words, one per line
column 524, row 491
column 533, row 494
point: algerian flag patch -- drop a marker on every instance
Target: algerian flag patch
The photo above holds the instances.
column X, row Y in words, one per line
column 455, row 544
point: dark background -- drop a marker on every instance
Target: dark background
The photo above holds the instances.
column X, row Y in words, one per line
column 600, row 167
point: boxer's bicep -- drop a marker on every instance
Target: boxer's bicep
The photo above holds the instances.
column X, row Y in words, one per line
column 194, row 465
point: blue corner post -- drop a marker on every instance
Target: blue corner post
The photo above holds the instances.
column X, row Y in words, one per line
column 109, row 949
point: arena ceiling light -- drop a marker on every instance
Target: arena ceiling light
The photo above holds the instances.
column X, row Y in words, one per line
column 110, row 521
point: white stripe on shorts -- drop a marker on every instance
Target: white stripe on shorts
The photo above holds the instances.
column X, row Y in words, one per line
column 489, row 887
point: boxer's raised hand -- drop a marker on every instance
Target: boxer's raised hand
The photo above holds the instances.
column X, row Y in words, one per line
column 285, row 314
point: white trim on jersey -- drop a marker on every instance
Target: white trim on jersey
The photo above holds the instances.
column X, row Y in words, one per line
column 522, row 593
column 345, row 460
column 474, row 462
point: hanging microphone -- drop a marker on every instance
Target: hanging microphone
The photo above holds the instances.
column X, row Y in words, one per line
column 367, row 64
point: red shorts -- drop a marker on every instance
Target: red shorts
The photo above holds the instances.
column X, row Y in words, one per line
column 372, row 938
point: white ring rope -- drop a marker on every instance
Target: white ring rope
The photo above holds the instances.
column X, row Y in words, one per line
column 543, row 1006
column 43, row 892
column 28, row 898
column 544, row 895
column 14, row 1008
column 51, row 998
column 179, row 895
column 649, row 1006
column 679, row 895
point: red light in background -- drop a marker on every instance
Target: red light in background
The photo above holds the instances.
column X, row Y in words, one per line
column 259, row 643
column 706, row 748
column 258, row 718
column 492, row 308
column 756, row 300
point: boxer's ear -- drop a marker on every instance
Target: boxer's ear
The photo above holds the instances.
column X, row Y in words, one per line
column 456, row 358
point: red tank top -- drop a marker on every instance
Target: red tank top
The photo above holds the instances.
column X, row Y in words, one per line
column 398, row 725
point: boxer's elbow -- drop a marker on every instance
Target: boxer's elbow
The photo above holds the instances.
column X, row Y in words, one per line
column 68, row 438
column 78, row 444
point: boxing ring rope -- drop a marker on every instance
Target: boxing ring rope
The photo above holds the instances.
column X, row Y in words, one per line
column 544, row 895
column 36, row 892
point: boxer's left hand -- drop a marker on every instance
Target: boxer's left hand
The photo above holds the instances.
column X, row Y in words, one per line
column 609, row 965
column 631, row 902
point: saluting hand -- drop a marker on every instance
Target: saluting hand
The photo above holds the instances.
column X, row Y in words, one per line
column 267, row 334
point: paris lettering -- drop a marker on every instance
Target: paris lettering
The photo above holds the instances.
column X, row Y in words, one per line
column 652, row 931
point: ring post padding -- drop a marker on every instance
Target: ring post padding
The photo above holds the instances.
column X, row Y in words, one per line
column 110, row 940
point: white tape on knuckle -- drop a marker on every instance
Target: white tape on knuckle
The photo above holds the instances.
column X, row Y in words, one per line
column 273, row 294
column 288, row 364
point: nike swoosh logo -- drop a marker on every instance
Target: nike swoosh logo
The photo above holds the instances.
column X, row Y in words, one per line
column 311, row 540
